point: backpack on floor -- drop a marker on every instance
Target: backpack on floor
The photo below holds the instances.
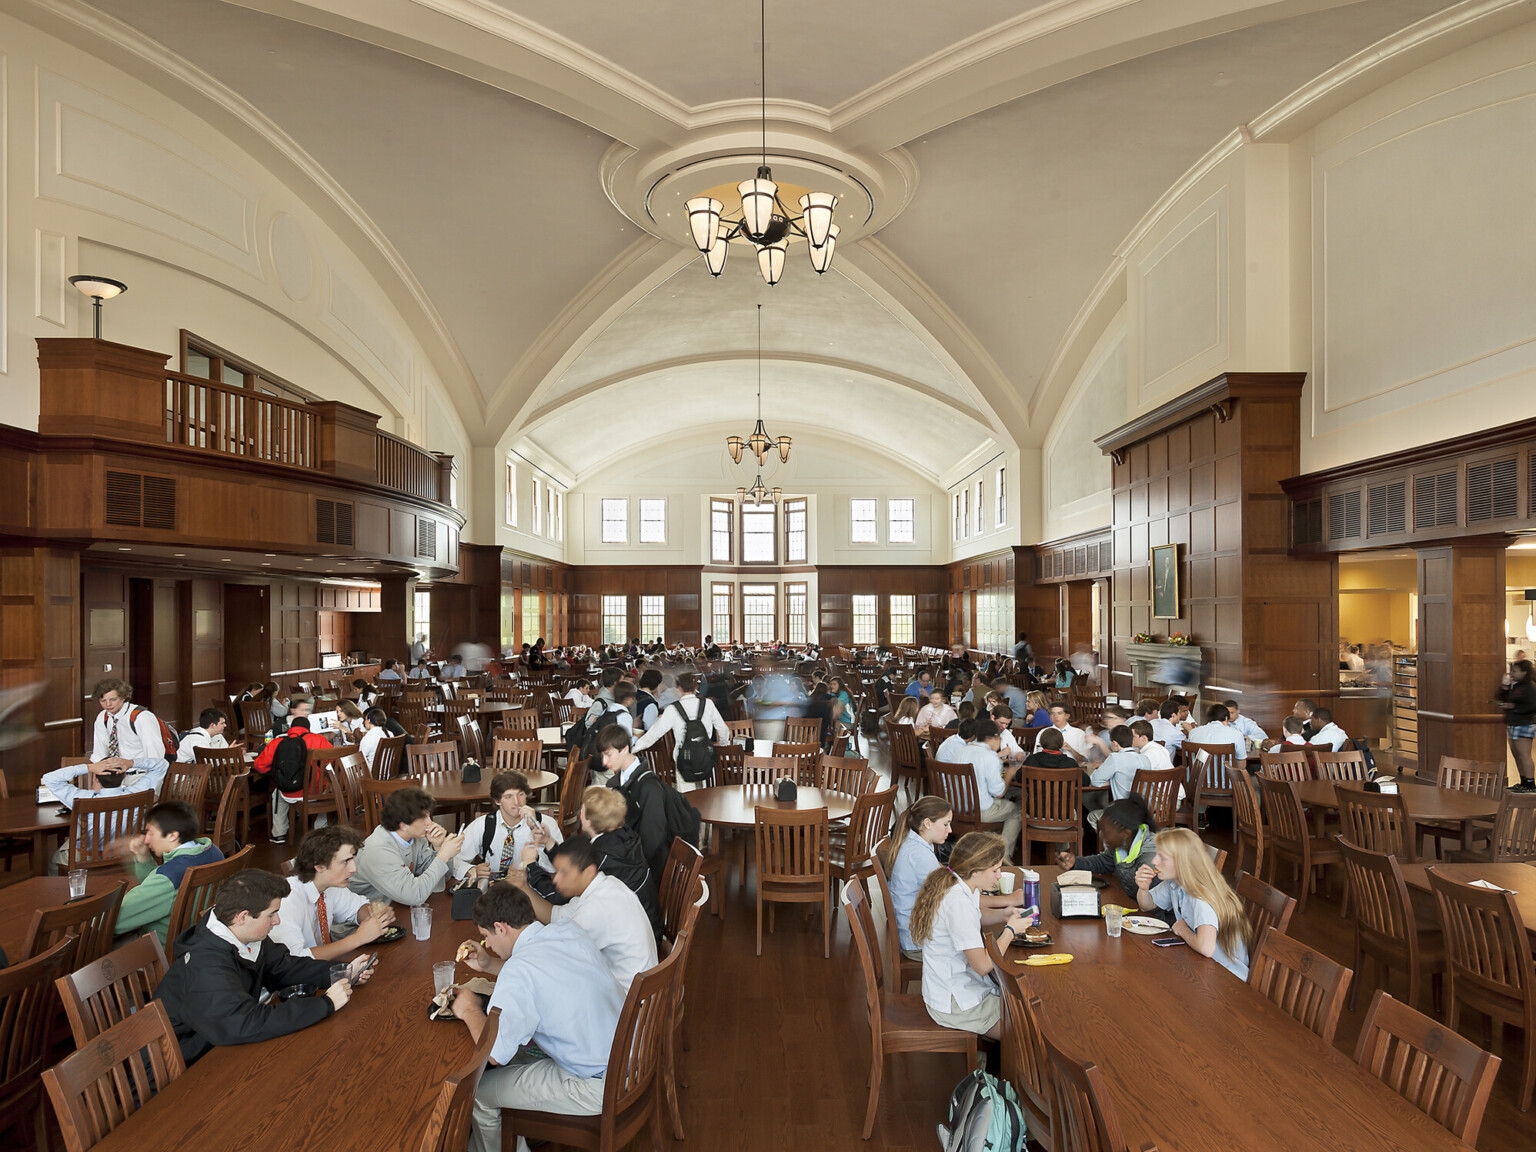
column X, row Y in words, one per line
column 984, row 1116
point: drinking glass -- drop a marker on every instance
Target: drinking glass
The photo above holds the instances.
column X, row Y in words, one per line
column 442, row 974
column 1005, row 882
column 1112, row 920
column 77, row 883
column 421, row 922
column 338, row 973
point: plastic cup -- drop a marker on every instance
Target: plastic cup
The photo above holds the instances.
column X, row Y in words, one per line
column 442, row 974
column 1005, row 883
column 77, row 883
column 339, row 973
column 1112, row 920
column 421, row 922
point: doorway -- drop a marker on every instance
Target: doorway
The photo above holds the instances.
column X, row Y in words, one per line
column 246, row 647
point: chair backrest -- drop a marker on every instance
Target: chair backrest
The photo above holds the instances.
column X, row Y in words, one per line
column 1303, row 983
column 1247, row 815
column 740, row 729
column 255, row 718
column 728, row 763
column 677, row 884
column 440, row 757
column 1051, row 796
column 232, row 825
column 97, row 1087
column 572, row 787
column 637, row 1041
column 807, row 758
column 317, row 783
column 113, row 987
column 868, row 825
column 1295, row 766
column 1264, row 905
column 1514, row 830
column 91, row 920
column 1376, row 821
column 891, row 954
column 765, row 771
column 1486, row 946
column 523, row 756
column 1480, row 777
column 1435, row 1069
column 521, row 720
column 1025, row 1063
column 469, row 737
column 956, row 784
column 1160, row 788
column 96, row 822
column 354, row 770
column 802, row 730
column 1211, row 767
column 906, row 748
column 1083, row 1118
column 337, row 782
column 447, row 1127
column 861, row 927
column 1345, row 764
column 1383, row 908
column 791, row 844
column 28, row 1008
column 849, row 777
column 187, row 783
column 1287, row 819
column 198, row 888
column 658, row 758
column 374, row 792
column 223, row 764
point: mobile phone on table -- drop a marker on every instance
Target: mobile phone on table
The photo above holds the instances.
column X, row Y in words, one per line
column 1168, row 941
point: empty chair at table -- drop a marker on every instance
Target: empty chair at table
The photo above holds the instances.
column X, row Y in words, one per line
column 109, row 1079
column 1514, row 832
column 1203, row 910
column 1301, row 981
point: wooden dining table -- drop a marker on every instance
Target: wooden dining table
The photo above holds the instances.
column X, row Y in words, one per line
column 732, row 805
column 19, row 901
column 456, row 792
column 23, row 818
column 1517, row 878
column 1425, row 803
column 1196, row 1060
column 365, row 1077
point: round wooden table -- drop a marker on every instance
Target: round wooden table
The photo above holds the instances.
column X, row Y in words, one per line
column 731, row 805
column 19, row 901
column 457, row 792
column 24, row 818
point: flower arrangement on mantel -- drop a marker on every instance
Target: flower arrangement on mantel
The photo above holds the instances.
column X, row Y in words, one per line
column 1179, row 640
column 1143, row 638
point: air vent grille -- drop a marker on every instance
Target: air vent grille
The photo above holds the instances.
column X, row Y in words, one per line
column 1493, row 490
column 1388, row 509
column 1434, row 500
column 333, row 522
column 133, row 500
column 1344, row 515
column 1307, row 522
column 426, row 537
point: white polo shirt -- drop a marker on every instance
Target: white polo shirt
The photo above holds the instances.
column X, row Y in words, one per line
column 946, row 972
column 298, row 916
column 1076, row 739
column 614, row 918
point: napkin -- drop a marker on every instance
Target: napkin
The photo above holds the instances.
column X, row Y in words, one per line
column 1491, row 887
column 442, row 1003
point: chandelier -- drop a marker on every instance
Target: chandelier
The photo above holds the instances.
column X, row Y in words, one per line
column 759, row 492
column 764, row 220
column 759, row 442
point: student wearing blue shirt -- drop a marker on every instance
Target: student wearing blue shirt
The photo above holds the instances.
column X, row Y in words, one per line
column 1250, row 731
column 559, row 1006
column 1207, row 913
column 920, row 687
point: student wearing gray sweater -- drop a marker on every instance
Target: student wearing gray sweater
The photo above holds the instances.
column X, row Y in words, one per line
column 406, row 858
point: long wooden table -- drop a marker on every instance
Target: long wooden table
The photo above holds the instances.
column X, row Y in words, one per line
column 1425, row 803
column 1517, row 878
column 19, row 901
column 364, row 1078
column 732, row 805
column 25, row 819
column 1195, row 1060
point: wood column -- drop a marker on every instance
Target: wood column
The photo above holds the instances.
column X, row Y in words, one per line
column 1461, row 651
column 40, row 645
column 97, row 388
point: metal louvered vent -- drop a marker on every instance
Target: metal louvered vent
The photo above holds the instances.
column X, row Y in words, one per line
column 133, row 500
column 426, row 537
column 1434, row 500
column 333, row 522
column 1493, row 490
column 1344, row 515
column 1307, row 522
column 160, row 502
column 1387, row 508
column 344, row 524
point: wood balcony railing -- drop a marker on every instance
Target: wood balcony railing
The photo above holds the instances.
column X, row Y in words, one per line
column 214, row 417
column 406, row 468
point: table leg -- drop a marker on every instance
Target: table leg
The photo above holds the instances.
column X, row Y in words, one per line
column 39, row 852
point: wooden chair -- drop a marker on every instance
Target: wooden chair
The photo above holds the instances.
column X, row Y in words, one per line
column 223, row 764
column 1345, row 764
column 1208, row 783
column 524, row 723
column 1025, row 1063
column 198, row 888
column 388, row 754
column 867, row 826
column 1479, row 777
column 525, row 756
column 1514, row 833
column 631, row 1092
column 906, row 758
column 1291, row 839
column 96, row 822
column 740, row 730
column 807, row 758
column 1293, row 766
column 658, row 758
column 421, row 759
column 676, row 886
column 936, row 736
column 1444, row 1075
column 683, row 930
column 112, row 988
column 97, row 1087
column 1377, row 822
column 1387, row 927
column 1248, row 828
column 471, row 739
column 1305, row 984
column 318, row 796
column 898, row 1022
column 1264, row 905
column 374, row 792
column 728, row 764
column 1053, row 808
column 187, row 783
column 1160, row 788
column 956, row 783
column 1488, row 962
column 897, row 967
column 448, row 1123
column 846, row 777
column 1083, row 1117
column 90, row 921
column 255, row 718
column 28, row 1008
column 765, row 771
column 792, row 866
column 802, row 730
column 349, row 810
column 232, row 823
column 572, row 787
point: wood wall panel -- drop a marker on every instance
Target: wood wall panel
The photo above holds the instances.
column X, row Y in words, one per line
column 40, row 639
column 678, row 584
column 1461, row 651
column 838, row 584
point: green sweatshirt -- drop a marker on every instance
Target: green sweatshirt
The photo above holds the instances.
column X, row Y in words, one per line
column 148, row 903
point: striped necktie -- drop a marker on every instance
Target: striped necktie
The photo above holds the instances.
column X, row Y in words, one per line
column 113, row 748
column 325, row 919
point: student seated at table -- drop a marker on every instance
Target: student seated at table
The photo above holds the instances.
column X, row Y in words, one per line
column 1303, row 710
column 318, row 899
column 158, row 858
column 1145, row 743
column 1049, row 752
column 222, row 964
column 406, row 858
column 655, row 810
column 946, row 925
column 1166, row 728
column 349, row 719
column 601, row 817
column 1251, row 732
column 1208, row 915
column 1126, row 830
column 494, row 843
column 935, row 714
column 1325, row 733
column 600, row 905
column 283, row 764
column 1217, row 731
column 388, row 671
column 905, row 713
column 209, row 733
column 454, row 669
column 1074, row 741
column 376, row 727
column 559, row 1007
column 128, row 752
column 1294, row 729
column 1119, row 768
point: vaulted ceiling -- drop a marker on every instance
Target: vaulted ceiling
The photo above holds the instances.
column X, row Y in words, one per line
column 521, row 156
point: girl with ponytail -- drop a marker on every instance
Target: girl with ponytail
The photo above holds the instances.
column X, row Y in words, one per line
column 946, row 924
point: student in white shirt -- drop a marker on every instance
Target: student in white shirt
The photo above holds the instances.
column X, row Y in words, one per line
column 1164, row 730
column 318, row 898
column 1007, row 744
column 1098, row 742
column 388, row 672
column 421, row 671
column 1217, row 731
column 1325, row 733
column 1119, row 768
column 672, row 719
column 979, row 743
column 1074, row 740
column 946, row 925
column 209, row 733
column 126, row 738
column 580, row 693
column 1295, row 731
column 1252, row 733
column 1144, row 742
column 935, row 714
column 600, row 905
column 1208, row 915
column 487, row 851
column 454, row 669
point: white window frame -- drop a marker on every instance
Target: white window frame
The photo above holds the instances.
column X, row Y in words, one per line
column 538, row 522
column 866, row 619
column 955, row 529
column 509, row 508
column 772, row 534
column 607, row 604
column 653, row 618
column 718, row 507
column 980, row 527
column 621, row 521
column 648, row 503
column 798, row 507
column 559, row 523
column 903, row 608
column 718, row 592
column 909, row 523
column 1002, row 496
column 797, row 595
column 757, row 592
column 857, row 506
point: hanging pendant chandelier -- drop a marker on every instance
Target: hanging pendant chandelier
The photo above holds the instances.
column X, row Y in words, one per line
column 759, row 442
column 759, row 492
column 764, row 220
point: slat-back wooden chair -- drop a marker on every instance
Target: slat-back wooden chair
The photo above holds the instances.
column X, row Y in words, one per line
column 1210, row 771
column 956, row 783
column 113, row 987
column 682, row 944
column 1052, row 800
column 1293, row 766
column 1345, row 764
column 728, row 762
column 1160, row 788
column 28, row 1008
column 1264, row 905
column 232, row 822
column 741, row 730
column 867, row 826
column 189, row 784
column 1488, row 962
column 1248, row 827
column 900, row 970
column 1290, row 837
column 1387, row 927
column 522, row 724
column 1025, row 1063
column 906, row 758
column 659, row 758
column 937, row 735
column 792, row 866
column 1083, row 1116
column 471, row 739
column 448, row 1123
column 845, row 776
column 1376, row 821
column 807, row 758
column 199, row 886
column 255, row 719
column 96, row 823
column 318, row 797
column 1445, row 1076
column 388, row 754
column 572, row 787
column 90, row 921
column 1479, row 777
column 374, row 792
column 422, row 759
column 525, row 756
column 802, row 730
column 765, row 771
column 1514, row 833
column 223, row 764
column 1303, row 983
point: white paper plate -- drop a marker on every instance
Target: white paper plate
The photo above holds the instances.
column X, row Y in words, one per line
column 1143, row 925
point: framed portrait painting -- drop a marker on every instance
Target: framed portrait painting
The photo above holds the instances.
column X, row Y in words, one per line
column 1165, row 582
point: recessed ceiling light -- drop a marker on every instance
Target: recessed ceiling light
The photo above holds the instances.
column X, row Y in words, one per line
column 264, row 564
column 125, row 549
column 179, row 555
column 226, row 560
column 271, row 555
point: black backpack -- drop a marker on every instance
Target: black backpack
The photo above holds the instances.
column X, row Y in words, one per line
column 643, row 700
column 288, row 763
column 683, row 818
column 581, row 737
column 694, row 757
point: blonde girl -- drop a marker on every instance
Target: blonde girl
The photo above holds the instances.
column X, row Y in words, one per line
column 1209, row 916
column 1039, row 714
column 906, row 711
column 946, row 925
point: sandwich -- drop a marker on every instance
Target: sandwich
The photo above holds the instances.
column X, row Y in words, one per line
column 466, row 950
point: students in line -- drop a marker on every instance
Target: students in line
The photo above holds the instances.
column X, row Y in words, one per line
column 494, row 843
column 318, row 899
column 559, row 1008
column 220, row 967
column 674, row 719
column 1208, row 915
column 158, row 858
column 406, row 858
column 209, row 733
column 946, row 925
column 1127, row 831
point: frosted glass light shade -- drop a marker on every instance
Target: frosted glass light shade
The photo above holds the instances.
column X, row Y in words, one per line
column 816, row 208
column 758, row 197
column 821, row 258
column 704, row 221
column 770, row 260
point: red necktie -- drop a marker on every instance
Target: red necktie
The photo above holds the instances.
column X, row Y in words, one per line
column 325, row 920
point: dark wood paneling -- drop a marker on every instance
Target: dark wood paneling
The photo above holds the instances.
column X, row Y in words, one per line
column 1461, row 651
column 678, row 584
column 40, row 644
column 837, row 585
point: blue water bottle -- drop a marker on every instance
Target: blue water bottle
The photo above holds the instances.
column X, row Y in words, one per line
column 1030, row 881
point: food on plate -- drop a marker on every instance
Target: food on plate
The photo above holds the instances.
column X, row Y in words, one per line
column 1035, row 935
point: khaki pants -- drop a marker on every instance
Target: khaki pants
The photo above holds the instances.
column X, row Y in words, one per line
column 1012, row 815
column 531, row 1081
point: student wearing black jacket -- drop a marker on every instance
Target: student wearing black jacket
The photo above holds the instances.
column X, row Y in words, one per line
column 655, row 811
column 221, row 966
column 618, row 851
column 1518, row 699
